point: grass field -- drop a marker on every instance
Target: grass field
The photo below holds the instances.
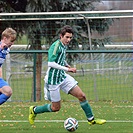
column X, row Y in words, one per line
column 14, row 118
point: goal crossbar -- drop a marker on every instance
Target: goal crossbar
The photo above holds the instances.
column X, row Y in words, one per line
column 66, row 15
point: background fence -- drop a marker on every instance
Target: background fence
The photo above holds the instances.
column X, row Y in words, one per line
column 105, row 73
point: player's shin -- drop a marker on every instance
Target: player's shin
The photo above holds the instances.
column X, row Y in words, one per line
column 42, row 109
column 87, row 109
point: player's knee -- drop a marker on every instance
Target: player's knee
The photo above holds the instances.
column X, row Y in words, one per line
column 10, row 92
column 7, row 91
column 55, row 109
column 82, row 97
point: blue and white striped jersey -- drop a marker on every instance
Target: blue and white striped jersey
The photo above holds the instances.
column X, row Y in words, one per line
column 3, row 53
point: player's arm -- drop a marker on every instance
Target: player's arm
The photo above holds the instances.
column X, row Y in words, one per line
column 57, row 66
column 67, row 65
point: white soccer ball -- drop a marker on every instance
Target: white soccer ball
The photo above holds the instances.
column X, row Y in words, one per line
column 71, row 124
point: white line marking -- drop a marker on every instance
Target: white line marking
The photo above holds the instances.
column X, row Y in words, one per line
column 23, row 121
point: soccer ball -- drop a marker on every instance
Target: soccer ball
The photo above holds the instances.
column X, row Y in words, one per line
column 71, row 124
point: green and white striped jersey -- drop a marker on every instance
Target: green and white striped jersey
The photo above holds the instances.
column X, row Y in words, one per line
column 56, row 53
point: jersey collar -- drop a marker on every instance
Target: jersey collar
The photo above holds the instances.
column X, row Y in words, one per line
column 62, row 44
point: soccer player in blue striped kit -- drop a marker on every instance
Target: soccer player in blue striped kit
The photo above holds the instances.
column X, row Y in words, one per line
column 57, row 79
column 8, row 37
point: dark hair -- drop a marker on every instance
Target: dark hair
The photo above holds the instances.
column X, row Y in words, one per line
column 65, row 29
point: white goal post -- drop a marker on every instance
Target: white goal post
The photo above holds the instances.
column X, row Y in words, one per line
column 78, row 13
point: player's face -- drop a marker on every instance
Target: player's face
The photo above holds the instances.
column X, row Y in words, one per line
column 66, row 38
column 8, row 42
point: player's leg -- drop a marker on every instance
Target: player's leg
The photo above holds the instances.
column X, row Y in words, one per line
column 70, row 87
column 34, row 110
column 51, row 95
column 77, row 92
column 53, row 107
column 5, row 91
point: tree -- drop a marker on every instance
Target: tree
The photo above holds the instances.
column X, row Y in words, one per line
column 35, row 29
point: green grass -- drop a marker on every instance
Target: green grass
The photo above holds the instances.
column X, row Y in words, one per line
column 118, row 116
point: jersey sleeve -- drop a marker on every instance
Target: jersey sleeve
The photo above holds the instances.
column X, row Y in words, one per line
column 57, row 66
column 53, row 52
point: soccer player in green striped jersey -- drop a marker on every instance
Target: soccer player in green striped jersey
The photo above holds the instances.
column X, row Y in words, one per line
column 57, row 79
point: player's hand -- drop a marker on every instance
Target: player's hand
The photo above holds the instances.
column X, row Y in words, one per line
column 3, row 45
column 73, row 70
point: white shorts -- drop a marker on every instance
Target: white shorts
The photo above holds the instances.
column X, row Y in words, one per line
column 52, row 92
